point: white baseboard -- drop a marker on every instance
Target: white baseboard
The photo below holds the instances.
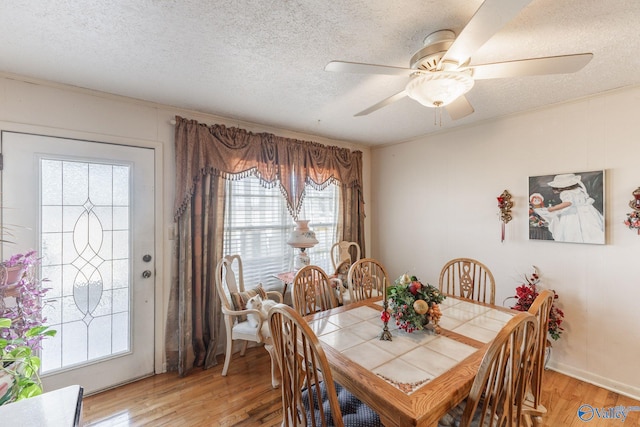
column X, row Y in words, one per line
column 606, row 383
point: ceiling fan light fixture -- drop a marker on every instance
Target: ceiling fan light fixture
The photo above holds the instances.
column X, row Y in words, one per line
column 437, row 89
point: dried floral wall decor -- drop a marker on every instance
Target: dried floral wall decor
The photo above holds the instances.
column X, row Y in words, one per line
column 504, row 204
column 633, row 218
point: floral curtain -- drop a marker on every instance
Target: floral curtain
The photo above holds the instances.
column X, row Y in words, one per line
column 205, row 156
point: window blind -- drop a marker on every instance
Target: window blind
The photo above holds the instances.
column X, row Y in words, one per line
column 258, row 224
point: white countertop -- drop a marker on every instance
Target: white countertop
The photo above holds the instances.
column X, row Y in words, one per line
column 58, row 408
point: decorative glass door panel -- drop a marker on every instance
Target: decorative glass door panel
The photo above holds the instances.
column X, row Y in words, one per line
column 85, row 240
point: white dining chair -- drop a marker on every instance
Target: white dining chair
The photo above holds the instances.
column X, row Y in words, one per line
column 342, row 251
column 233, row 298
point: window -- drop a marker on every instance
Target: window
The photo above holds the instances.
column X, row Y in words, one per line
column 257, row 225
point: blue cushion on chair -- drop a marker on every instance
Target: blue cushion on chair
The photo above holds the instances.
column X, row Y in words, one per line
column 354, row 412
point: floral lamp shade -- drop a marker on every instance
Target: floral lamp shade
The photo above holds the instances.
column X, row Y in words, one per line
column 302, row 236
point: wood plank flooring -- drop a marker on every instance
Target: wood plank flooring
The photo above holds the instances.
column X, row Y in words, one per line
column 245, row 398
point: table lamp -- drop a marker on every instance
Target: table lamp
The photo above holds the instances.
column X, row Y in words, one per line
column 302, row 238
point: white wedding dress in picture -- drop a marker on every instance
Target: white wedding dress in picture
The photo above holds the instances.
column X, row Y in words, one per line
column 579, row 223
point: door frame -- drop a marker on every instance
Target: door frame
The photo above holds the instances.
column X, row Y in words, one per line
column 161, row 244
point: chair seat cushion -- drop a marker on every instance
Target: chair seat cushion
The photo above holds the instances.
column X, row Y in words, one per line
column 354, row 412
column 246, row 331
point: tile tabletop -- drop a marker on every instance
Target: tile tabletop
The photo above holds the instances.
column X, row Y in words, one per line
column 410, row 360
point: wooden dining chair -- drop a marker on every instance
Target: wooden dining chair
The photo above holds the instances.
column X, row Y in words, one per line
column 309, row 395
column 312, row 291
column 497, row 393
column 468, row 278
column 233, row 298
column 541, row 308
column 367, row 278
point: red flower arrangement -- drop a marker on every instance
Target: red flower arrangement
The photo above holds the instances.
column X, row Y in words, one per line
column 527, row 293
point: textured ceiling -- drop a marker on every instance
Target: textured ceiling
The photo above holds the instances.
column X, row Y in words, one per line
column 263, row 60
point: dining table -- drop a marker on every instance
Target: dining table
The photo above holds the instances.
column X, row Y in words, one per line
column 415, row 378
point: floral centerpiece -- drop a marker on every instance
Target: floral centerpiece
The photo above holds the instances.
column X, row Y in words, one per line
column 413, row 304
column 21, row 332
column 527, row 293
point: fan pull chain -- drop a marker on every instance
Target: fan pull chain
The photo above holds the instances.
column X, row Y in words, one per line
column 437, row 114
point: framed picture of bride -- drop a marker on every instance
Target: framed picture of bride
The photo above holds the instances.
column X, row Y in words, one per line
column 567, row 207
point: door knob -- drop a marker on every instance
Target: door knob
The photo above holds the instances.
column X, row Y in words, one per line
column 146, row 258
column 146, row 274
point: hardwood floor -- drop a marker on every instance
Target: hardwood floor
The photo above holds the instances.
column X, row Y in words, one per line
column 245, row 398
column 204, row 398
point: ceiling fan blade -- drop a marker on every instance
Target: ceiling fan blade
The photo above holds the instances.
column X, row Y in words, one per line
column 356, row 67
column 531, row 67
column 459, row 108
column 383, row 103
column 490, row 17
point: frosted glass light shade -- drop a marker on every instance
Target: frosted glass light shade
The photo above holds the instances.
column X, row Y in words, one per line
column 437, row 89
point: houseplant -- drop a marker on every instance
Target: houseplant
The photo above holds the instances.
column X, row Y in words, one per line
column 21, row 331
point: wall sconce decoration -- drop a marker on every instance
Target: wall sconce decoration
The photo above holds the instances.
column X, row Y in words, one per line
column 633, row 218
column 505, row 204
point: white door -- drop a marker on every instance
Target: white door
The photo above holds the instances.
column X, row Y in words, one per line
column 88, row 209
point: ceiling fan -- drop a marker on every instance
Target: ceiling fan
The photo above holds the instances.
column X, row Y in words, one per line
column 440, row 73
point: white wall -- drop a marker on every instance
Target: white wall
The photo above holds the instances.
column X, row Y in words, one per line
column 435, row 199
column 32, row 106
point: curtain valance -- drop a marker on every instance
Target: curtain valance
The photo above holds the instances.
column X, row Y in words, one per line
column 232, row 152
